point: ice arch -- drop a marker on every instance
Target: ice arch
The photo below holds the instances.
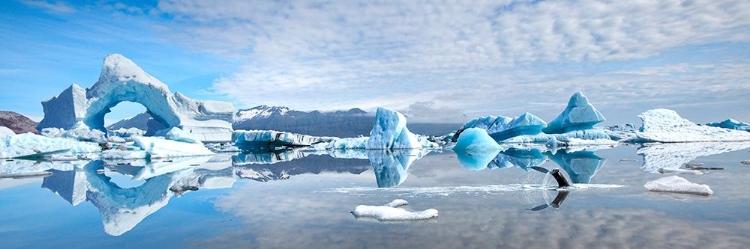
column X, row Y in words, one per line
column 122, row 80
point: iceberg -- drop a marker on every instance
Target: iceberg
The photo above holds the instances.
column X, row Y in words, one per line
column 578, row 115
column 157, row 147
column 271, row 140
column 391, row 212
column 474, row 140
column 122, row 80
column 664, row 125
column 731, row 124
column 390, row 132
column 526, row 124
column 5, row 131
column 676, row 184
column 80, row 134
column 31, row 144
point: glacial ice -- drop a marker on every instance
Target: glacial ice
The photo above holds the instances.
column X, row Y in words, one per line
column 390, row 212
column 664, row 125
column 578, row 115
column 158, row 147
column 80, row 134
column 731, row 124
column 5, row 131
column 676, row 184
column 390, row 132
column 29, row 144
column 122, row 80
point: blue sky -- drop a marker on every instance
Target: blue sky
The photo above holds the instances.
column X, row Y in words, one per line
column 436, row 61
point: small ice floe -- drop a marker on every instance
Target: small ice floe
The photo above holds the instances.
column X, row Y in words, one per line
column 679, row 171
column 392, row 212
column 676, row 184
column 746, row 162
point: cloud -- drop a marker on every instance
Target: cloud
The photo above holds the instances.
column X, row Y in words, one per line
column 477, row 57
column 55, row 7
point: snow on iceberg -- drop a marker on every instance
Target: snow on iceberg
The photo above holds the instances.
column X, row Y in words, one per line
column 664, row 125
column 30, row 144
column 674, row 155
column 578, row 115
column 390, row 132
column 122, row 80
column 391, row 212
column 676, row 184
column 731, row 124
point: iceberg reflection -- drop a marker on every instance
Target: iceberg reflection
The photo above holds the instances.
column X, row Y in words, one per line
column 390, row 166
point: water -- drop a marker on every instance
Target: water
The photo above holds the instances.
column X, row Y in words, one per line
column 305, row 203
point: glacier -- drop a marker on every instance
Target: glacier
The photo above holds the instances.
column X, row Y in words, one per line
column 122, row 80
column 578, row 115
column 390, row 132
column 664, row 125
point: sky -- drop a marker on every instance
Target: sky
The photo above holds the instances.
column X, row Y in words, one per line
column 435, row 61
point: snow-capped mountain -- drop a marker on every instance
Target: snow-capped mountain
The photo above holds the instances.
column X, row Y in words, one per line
column 351, row 123
column 17, row 123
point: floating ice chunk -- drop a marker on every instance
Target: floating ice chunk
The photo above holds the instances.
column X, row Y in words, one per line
column 177, row 134
column 80, row 134
column 663, row 125
column 578, row 115
column 390, row 132
column 347, row 143
column 475, row 140
column 28, row 144
column 731, row 124
column 390, row 212
column 676, row 184
column 679, row 171
column 157, row 147
column 397, row 203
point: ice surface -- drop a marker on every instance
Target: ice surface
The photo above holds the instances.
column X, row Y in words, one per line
column 347, row 143
column 122, row 80
column 731, row 124
column 28, row 144
column 177, row 134
column 390, row 212
column 663, row 125
column 81, row 134
column 5, row 131
column 578, row 115
column 390, row 132
column 676, row 184
column 674, row 155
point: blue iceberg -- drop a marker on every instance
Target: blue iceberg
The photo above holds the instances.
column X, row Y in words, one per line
column 731, row 124
column 390, row 132
column 578, row 115
column 526, row 124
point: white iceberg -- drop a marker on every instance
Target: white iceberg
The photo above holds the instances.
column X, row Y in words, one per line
column 270, row 139
column 390, row 132
column 122, row 80
column 664, row 125
column 5, row 131
column 676, row 184
column 391, row 212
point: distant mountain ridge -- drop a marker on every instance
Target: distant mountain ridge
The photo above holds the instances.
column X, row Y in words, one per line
column 17, row 123
column 348, row 123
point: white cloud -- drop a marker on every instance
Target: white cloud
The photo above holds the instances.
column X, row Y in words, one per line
column 463, row 55
column 54, row 6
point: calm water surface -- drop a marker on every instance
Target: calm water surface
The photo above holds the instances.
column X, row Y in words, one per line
column 239, row 201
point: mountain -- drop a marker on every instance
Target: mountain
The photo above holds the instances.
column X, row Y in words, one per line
column 139, row 121
column 17, row 123
column 350, row 123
